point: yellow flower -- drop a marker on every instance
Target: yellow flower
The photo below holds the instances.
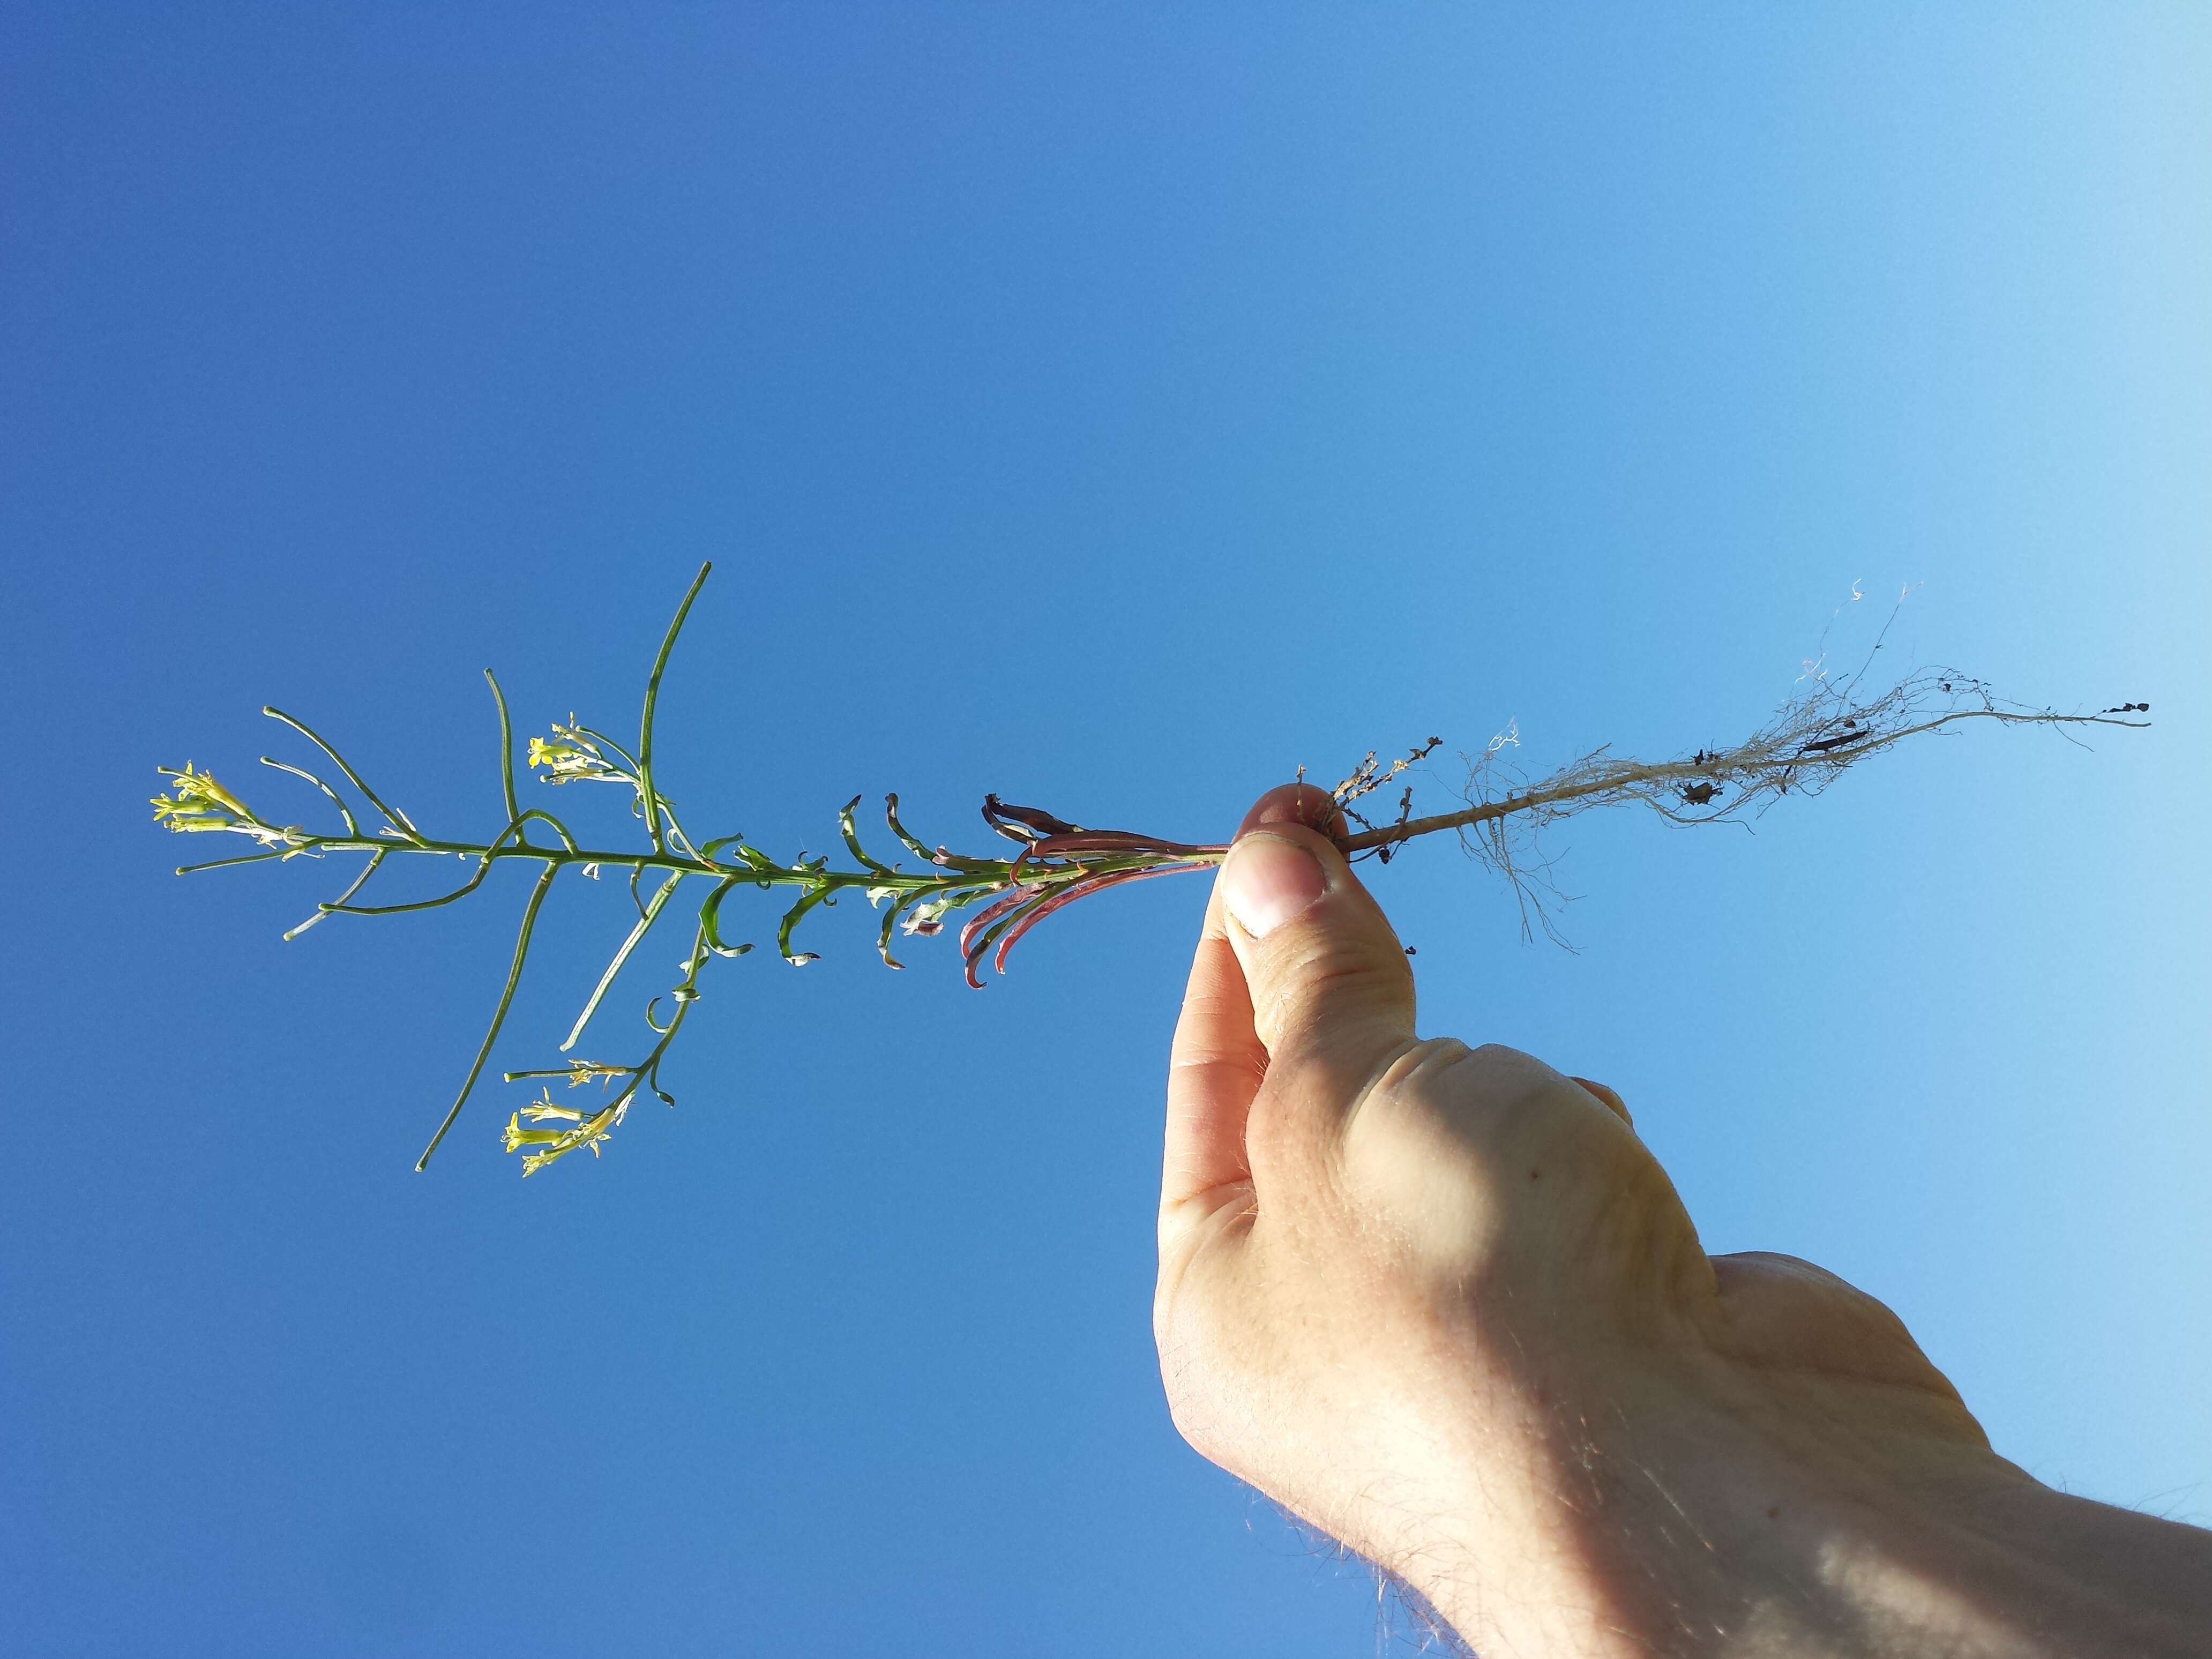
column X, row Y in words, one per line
column 200, row 803
column 581, row 1072
column 571, row 755
column 517, row 1137
column 590, row 1132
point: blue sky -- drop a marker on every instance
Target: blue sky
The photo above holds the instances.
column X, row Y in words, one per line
column 1116, row 411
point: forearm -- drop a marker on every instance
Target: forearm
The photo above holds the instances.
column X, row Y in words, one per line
column 1723, row 1535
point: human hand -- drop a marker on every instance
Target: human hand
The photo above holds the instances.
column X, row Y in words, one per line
column 1443, row 1303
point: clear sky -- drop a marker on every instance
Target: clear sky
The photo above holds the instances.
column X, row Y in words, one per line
column 1114, row 408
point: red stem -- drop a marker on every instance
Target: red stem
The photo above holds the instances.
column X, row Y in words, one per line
column 1105, row 840
column 1068, row 896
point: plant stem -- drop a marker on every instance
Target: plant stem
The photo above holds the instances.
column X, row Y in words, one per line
column 1722, row 767
column 649, row 800
column 1822, row 730
column 499, row 1016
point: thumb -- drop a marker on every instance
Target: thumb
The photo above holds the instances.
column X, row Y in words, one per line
column 1330, row 984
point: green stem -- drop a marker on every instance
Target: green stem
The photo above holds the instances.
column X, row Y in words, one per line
column 651, row 801
column 359, row 882
column 506, row 748
column 599, row 991
column 243, row 858
column 399, row 820
column 352, row 823
column 973, row 872
column 499, row 1016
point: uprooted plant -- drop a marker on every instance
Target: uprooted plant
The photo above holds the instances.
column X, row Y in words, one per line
column 1830, row 724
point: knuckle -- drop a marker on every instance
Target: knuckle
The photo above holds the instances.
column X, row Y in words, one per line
column 1507, row 1076
column 1315, row 973
column 1420, row 1061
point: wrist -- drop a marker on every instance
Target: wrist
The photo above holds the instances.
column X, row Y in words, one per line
column 1794, row 1521
column 1637, row 1522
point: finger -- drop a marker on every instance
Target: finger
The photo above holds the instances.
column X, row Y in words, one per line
column 1608, row 1096
column 1214, row 1069
column 1218, row 1062
column 1297, row 803
column 1331, row 993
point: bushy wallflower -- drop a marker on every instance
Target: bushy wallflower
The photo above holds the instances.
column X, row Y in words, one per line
column 554, row 1144
column 576, row 754
column 200, row 803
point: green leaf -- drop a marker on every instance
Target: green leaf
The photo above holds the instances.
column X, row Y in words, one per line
column 812, row 897
column 853, row 839
column 710, row 922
